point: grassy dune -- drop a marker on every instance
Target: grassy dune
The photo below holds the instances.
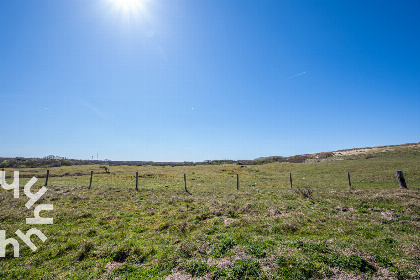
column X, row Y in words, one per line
column 265, row 230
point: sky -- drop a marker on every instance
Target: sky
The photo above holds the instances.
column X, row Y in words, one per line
column 194, row 80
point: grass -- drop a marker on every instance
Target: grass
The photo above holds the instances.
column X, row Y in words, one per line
column 263, row 231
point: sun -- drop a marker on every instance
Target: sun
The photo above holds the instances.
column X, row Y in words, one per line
column 128, row 5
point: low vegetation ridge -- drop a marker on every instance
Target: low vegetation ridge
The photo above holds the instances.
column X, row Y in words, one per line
column 56, row 161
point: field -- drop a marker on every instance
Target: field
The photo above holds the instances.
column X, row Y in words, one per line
column 265, row 230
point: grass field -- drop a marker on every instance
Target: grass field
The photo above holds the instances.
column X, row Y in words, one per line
column 264, row 230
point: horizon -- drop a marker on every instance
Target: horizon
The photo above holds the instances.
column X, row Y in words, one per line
column 207, row 160
column 175, row 81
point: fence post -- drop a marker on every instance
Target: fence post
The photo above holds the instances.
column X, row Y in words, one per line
column 185, row 182
column 291, row 184
column 237, row 182
column 401, row 179
column 46, row 178
column 348, row 177
column 137, row 180
column 91, row 175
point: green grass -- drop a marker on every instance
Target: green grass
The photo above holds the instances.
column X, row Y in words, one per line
column 263, row 231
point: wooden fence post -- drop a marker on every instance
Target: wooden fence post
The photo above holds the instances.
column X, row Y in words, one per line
column 348, row 177
column 137, row 180
column 91, row 175
column 46, row 178
column 401, row 179
column 185, row 182
column 291, row 184
column 237, row 182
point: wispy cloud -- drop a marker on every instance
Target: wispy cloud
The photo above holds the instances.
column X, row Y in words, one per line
column 298, row 75
column 93, row 108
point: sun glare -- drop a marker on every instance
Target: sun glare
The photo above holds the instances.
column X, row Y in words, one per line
column 128, row 5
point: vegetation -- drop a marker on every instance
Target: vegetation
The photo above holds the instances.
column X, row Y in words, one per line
column 319, row 229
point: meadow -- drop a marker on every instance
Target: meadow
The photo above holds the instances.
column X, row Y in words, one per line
column 265, row 230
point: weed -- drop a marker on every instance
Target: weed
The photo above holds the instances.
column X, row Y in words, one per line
column 388, row 241
column 257, row 249
column 120, row 254
column 203, row 216
column 86, row 247
column 245, row 269
column 288, row 227
column 292, row 268
column 221, row 248
column 314, row 247
column 383, row 261
column 232, row 214
column 197, row 268
column 186, row 249
column 304, row 192
column 401, row 274
column 352, row 262
column 124, row 270
column 219, row 273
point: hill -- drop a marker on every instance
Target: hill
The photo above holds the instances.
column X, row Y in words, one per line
column 319, row 229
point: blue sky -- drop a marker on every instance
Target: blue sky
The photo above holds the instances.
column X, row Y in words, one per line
column 193, row 80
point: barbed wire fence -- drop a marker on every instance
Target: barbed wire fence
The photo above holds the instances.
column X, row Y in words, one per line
column 138, row 179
